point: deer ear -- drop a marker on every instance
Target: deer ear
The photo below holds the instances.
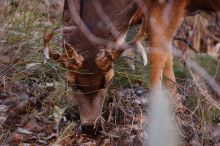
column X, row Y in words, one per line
column 71, row 59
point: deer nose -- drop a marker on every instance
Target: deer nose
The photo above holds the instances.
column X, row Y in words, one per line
column 90, row 129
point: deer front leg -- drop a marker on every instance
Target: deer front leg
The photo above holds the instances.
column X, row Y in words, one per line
column 157, row 61
column 161, row 61
column 170, row 81
column 168, row 73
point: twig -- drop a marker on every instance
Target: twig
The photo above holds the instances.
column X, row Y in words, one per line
column 186, row 42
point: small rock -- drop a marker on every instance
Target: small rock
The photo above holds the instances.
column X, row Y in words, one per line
column 3, row 108
column 25, row 144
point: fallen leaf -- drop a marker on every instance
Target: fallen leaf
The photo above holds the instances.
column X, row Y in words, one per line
column 26, row 144
column 32, row 65
column 33, row 126
column 5, row 59
column 51, row 136
column 16, row 137
column 24, row 131
column 2, row 119
column 3, row 108
column 140, row 118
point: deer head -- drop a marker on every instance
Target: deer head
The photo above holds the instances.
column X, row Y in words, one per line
column 90, row 87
